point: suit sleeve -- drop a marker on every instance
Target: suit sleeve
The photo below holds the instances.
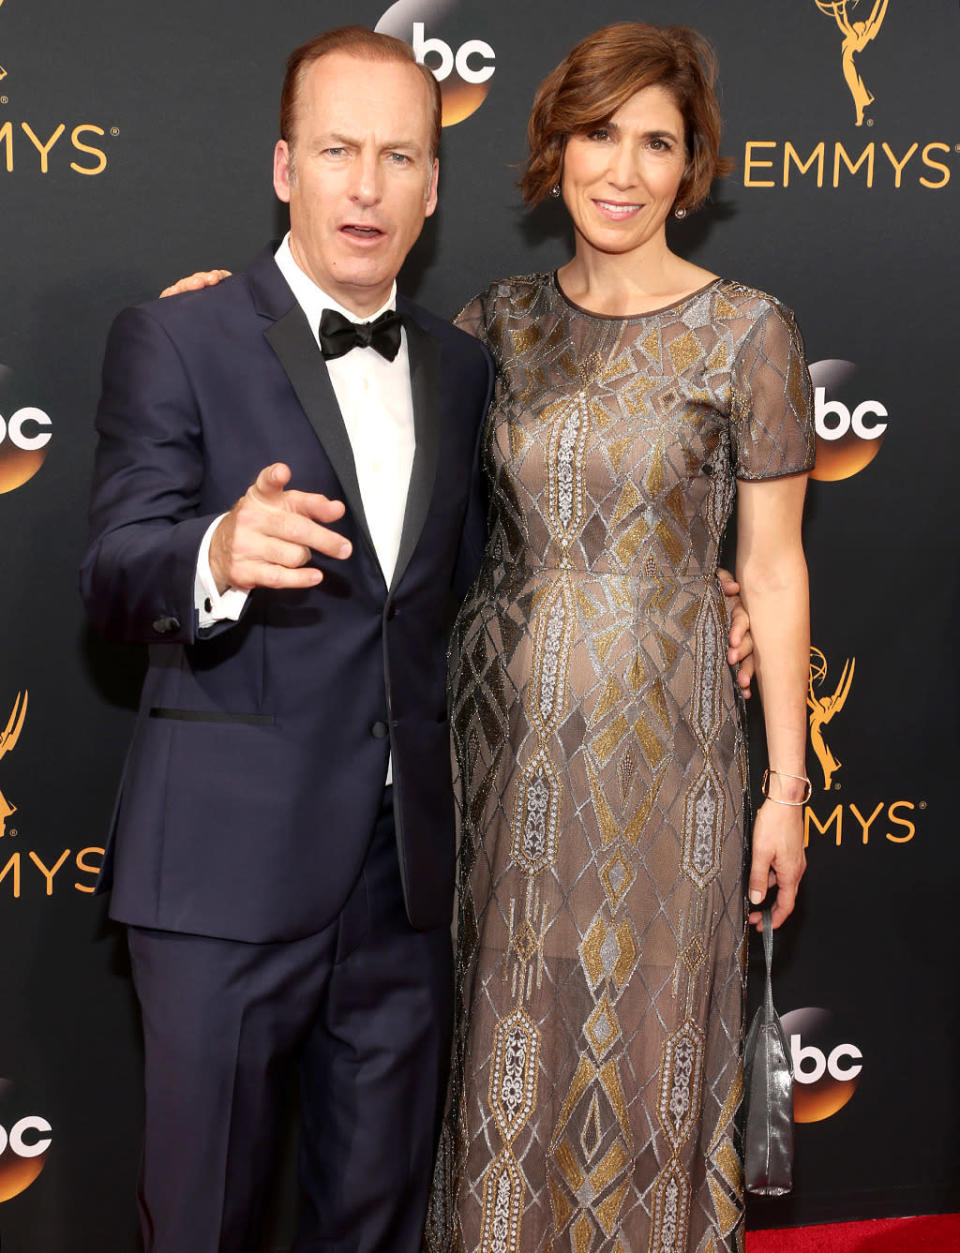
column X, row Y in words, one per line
column 473, row 536
column 146, row 525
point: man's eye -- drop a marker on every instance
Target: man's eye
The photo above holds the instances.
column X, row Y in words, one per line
column 399, row 158
column 600, row 134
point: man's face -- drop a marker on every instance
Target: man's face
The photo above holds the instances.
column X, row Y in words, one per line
column 358, row 175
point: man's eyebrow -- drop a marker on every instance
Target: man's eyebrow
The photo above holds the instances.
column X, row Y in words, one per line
column 335, row 137
column 413, row 144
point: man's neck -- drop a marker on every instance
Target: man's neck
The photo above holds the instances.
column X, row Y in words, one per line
column 312, row 297
column 360, row 304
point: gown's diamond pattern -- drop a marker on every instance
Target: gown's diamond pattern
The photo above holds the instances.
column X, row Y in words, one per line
column 599, row 764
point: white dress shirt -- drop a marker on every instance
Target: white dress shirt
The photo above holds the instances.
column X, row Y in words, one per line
column 376, row 403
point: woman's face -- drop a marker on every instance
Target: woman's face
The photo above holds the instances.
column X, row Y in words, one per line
column 620, row 179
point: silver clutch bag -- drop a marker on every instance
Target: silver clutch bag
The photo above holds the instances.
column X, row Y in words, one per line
column 768, row 1093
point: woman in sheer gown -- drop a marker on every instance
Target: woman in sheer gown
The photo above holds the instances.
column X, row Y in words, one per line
column 598, row 733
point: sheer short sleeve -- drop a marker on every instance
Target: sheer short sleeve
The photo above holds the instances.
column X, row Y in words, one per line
column 472, row 319
column 771, row 426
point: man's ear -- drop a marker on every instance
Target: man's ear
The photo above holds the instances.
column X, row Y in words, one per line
column 283, row 172
column 432, row 189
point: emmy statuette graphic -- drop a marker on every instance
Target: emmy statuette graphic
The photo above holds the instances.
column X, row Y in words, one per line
column 8, row 741
column 856, row 36
column 823, row 708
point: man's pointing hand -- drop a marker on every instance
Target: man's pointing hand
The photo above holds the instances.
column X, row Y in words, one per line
column 270, row 534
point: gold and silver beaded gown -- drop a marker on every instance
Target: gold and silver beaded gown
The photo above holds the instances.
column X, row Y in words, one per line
column 600, row 761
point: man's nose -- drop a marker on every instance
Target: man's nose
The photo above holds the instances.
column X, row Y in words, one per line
column 365, row 184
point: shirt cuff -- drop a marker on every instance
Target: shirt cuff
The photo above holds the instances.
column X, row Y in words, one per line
column 213, row 606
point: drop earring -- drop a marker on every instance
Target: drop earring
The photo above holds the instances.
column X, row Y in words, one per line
column 680, row 213
column 555, row 191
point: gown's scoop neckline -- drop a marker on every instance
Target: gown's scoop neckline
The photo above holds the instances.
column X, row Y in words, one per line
column 630, row 317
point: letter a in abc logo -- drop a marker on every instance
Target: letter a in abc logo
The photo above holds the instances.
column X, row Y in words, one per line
column 848, row 435
column 462, row 66
column 826, row 1069
column 24, row 1141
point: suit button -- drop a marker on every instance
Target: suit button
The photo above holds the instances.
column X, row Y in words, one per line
column 391, row 611
column 379, row 731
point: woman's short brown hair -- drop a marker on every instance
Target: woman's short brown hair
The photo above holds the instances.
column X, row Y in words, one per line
column 600, row 75
column 360, row 42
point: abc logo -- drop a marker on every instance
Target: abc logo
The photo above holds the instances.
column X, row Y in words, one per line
column 849, row 435
column 24, row 1141
column 23, row 441
column 463, row 68
column 826, row 1070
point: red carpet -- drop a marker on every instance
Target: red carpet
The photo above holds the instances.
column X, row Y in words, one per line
column 933, row 1234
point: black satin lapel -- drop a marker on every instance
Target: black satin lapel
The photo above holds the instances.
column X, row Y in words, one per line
column 424, row 352
column 293, row 342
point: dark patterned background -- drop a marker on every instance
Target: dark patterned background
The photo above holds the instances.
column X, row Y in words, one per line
column 162, row 166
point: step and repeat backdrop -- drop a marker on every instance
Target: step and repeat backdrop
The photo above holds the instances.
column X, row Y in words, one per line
column 135, row 146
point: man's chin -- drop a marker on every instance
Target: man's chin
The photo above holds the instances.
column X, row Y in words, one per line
column 363, row 291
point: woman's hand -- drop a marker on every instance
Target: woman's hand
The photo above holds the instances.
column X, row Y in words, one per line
column 740, row 642
column 195, row 282
column 778, row 860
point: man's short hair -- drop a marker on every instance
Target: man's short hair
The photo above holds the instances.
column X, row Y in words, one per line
column 360, row 42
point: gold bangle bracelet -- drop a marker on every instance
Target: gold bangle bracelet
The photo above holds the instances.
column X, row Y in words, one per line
column 800, row 778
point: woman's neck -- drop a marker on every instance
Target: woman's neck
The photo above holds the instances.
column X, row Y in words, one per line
column 620, row 284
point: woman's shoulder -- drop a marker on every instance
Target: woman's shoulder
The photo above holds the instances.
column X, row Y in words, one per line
column 763, row 330
column 517, row 287
column 504, row 296
column 749, row 306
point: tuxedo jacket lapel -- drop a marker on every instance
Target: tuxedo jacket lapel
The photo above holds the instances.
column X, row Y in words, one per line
column 424, row 353
column 292, row 340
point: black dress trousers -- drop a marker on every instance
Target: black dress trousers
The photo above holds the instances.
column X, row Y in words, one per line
column 363, row 1007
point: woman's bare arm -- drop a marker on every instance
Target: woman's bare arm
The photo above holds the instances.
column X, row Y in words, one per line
column 773, row 579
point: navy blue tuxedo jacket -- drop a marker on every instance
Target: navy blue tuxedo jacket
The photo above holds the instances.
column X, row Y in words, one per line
column 256, row 770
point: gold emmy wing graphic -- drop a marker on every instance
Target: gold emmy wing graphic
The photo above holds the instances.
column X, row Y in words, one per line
column 8, row 741
column 856, row 36
column 823, row 708
column 3, row 72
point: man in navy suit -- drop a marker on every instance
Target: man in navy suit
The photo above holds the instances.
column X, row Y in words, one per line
column 283, row 502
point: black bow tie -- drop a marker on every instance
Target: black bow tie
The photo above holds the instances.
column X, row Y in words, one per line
column 338, row 334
